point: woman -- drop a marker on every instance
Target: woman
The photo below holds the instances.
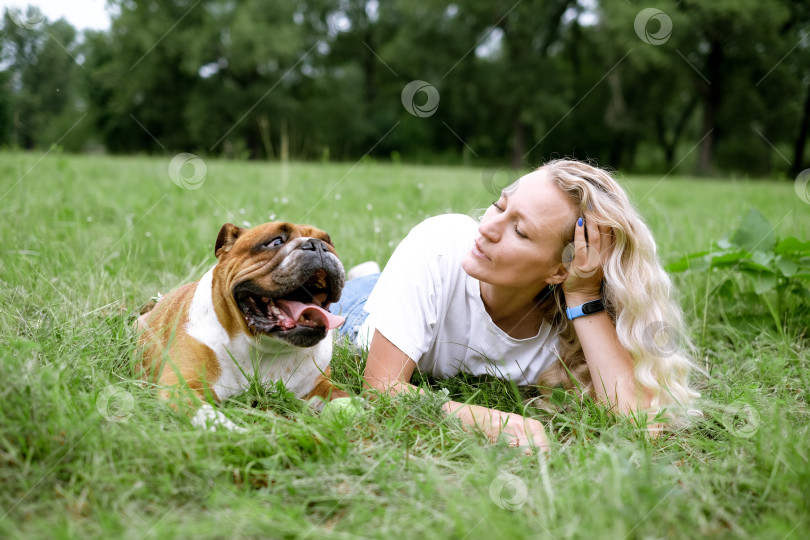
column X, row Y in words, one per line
column 559, row 284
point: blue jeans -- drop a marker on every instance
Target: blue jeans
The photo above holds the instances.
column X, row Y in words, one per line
column 352, row 303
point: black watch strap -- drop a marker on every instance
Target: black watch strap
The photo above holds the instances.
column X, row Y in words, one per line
column 588, row 308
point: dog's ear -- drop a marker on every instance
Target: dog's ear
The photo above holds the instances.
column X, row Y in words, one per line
column 226, row 238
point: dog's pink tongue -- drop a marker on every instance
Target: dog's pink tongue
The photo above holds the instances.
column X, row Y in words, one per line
column 313, row 313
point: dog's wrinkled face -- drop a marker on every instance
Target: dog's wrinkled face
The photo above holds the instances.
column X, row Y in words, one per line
column 283, row 278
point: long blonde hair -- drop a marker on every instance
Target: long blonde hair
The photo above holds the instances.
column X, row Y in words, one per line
column 637, row 294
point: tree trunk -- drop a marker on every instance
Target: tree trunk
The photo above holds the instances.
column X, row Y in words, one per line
column 264, row 131
column 667, row 146
column 518, row 143
column 285, row 142
column 369, row 72
column 711, row 102
column 705, row 163
column 617, row 149
column 516, row 52
column 670, row 145
column 801, row 141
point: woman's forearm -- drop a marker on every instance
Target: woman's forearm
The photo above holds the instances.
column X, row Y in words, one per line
column 609, row 363
column 493, row 423
column 472, row 415
column 388, row 369
column 391, row 387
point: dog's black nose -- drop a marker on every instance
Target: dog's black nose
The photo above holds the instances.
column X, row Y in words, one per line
column 314, row 244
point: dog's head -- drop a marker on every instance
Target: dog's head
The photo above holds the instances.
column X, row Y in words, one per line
column 283, row 277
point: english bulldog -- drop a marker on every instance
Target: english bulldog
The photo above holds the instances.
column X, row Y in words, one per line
column 263, row 309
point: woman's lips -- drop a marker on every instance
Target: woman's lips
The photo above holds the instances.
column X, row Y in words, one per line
column 478, row 252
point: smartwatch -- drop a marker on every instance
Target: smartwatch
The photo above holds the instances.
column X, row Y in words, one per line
column 588, row 308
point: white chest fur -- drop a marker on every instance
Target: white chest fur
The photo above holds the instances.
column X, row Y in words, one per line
column 243, row 357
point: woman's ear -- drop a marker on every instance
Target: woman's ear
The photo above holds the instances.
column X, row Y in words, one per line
column 558, row 276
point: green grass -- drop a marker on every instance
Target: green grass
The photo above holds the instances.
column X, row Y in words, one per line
column 85, row 240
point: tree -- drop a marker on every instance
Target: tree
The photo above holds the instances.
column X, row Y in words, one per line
column 40, row 80
column 732, row 46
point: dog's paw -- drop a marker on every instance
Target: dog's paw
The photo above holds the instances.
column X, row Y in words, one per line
column 208, row 418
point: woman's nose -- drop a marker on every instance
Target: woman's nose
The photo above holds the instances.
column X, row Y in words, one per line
column 490, row 228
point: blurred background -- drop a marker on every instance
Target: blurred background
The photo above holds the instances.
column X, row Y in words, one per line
column 716, row 87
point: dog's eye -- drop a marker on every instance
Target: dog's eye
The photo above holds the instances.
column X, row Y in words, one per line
column 275, row 242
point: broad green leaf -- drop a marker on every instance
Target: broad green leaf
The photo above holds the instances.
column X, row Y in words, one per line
column 681, row 265
column 688, row 262
column 755, row 233
column 752, row 266
column 762, row 282
column 700, row 264
column 792, row 245
column 787, row 266
column 726, row 290
column 762, row 258
column 724, row 260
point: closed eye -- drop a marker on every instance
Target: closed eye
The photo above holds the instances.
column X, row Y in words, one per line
column 500, row 208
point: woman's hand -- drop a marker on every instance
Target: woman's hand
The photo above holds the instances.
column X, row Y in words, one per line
column 526, row 433
column 584, row 261
column 521, row 431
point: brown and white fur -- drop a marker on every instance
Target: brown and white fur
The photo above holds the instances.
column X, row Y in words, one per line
column 261, row 310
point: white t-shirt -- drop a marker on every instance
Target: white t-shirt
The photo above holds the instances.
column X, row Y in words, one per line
column 427, row 305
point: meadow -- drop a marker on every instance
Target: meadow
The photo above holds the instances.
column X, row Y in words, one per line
column 87, row 451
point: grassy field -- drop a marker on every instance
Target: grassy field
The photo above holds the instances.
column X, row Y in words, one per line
column 85, row 451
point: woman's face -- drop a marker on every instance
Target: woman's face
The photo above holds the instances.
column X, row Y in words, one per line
column 522, row 236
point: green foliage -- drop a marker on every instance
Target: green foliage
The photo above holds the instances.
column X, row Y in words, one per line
column 40, row 83
column 754, row 263
column 518, row 82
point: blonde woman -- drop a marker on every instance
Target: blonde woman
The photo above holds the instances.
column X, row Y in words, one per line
column 558, row 284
